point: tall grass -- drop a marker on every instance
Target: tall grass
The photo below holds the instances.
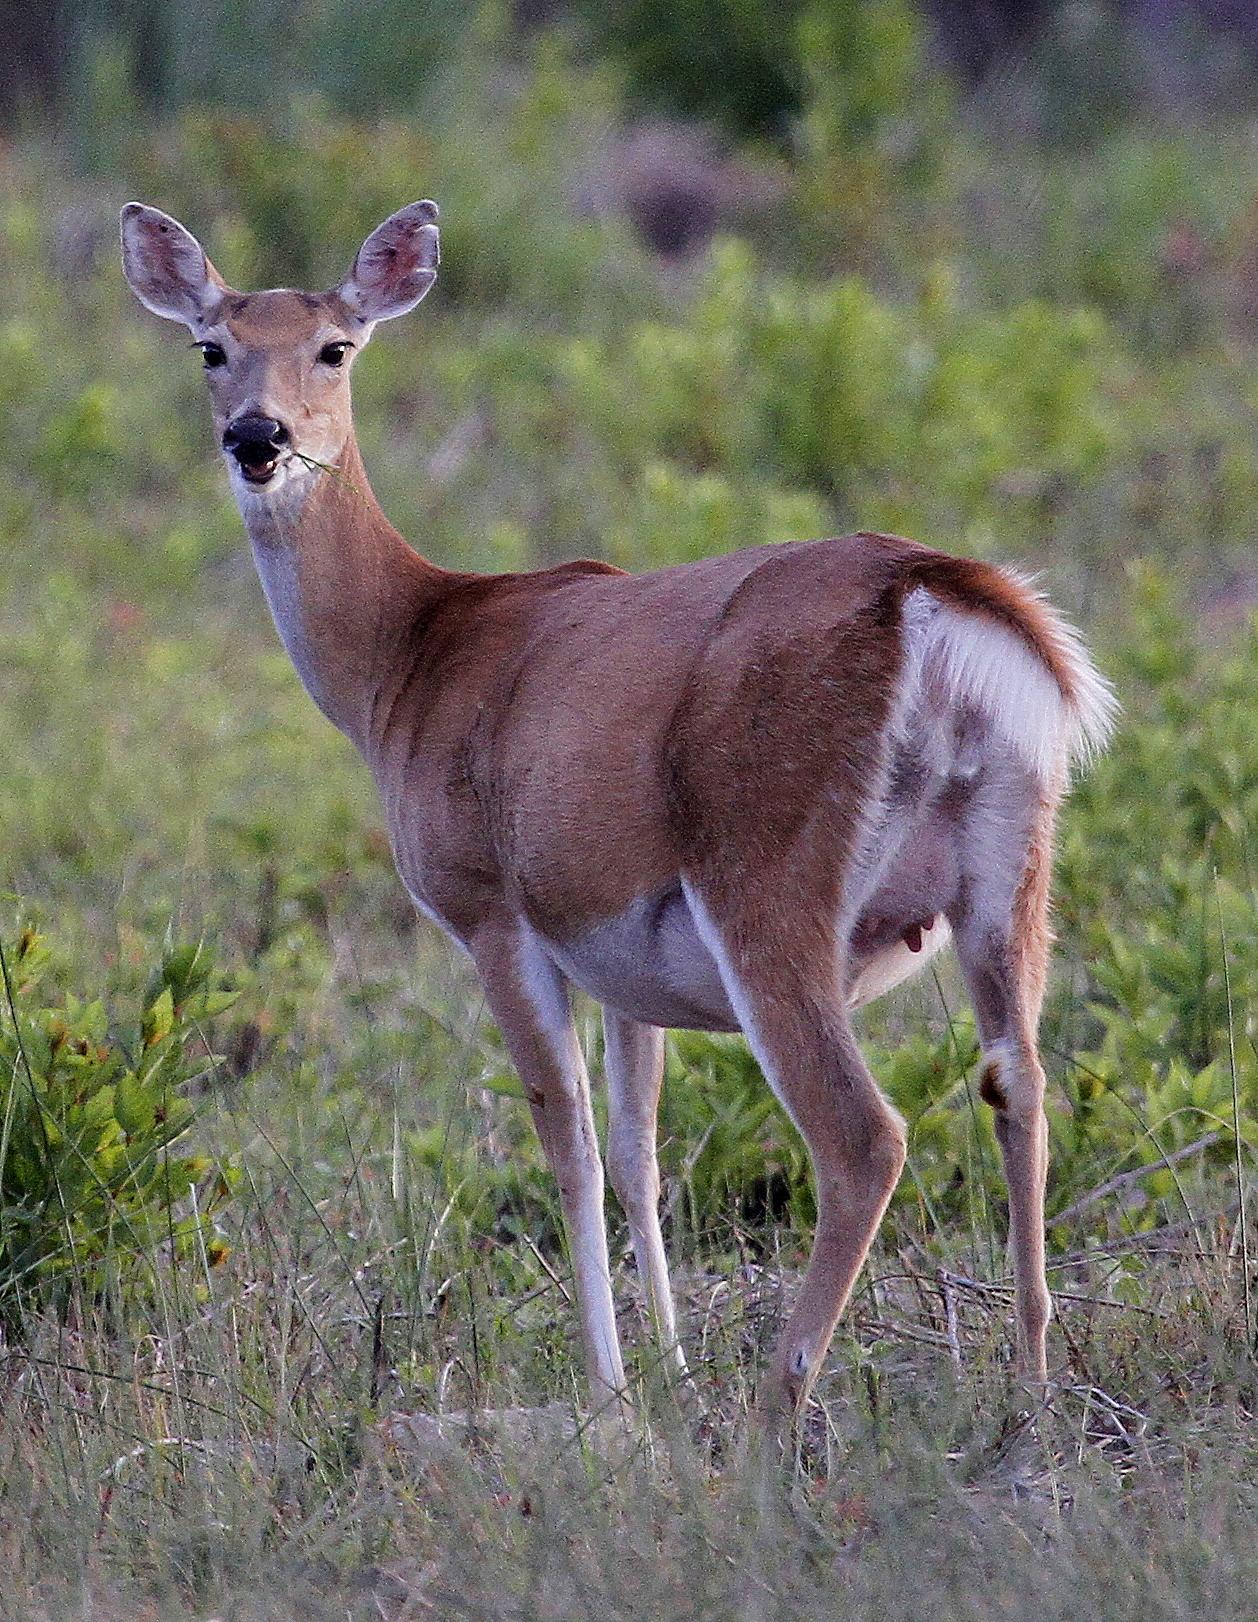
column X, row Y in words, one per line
column 232, row 1451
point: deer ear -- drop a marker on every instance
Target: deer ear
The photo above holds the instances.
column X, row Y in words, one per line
column 167, row 267
column 396, row 265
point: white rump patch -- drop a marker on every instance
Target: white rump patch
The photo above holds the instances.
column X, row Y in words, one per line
column 983, row 663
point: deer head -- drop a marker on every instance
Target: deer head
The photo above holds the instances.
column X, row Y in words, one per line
column 278, row 362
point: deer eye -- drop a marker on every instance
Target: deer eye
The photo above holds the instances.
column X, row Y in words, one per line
column 333, row 354
column 213, row 355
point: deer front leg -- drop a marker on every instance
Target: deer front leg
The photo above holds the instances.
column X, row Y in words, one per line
column 634, row 1058
column 529, row 1002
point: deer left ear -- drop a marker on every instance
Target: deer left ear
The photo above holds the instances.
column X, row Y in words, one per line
column 396, row 265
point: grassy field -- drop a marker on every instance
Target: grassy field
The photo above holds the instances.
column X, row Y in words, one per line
column 909, row 314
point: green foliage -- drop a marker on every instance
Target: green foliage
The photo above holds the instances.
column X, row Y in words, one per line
column 829, row 78
column 93, row 1181
column 885, row 409
column 730, row 61
column 170, row 53
column 871, row 123
column 290, row 197
column 727, row 1140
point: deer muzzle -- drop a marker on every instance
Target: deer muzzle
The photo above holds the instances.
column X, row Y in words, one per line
column 257, row 443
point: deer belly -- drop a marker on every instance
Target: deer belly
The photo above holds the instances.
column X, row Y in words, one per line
column 650, row 964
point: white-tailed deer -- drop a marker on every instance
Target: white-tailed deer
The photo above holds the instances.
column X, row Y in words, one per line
column 749, row 793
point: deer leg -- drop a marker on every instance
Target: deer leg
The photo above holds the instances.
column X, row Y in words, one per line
column 529, row 1002
column 791, row 1008
column 857, row 1145
column 634, row 1055
column 1000, row 926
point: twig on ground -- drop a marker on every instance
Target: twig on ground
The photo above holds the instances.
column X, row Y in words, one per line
column 1152, row 1243
column 925, row 1337
column 950, row 1316
column 548, row 1269
column 1123, row 1178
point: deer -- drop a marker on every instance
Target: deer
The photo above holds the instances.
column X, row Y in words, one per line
column 746, row 794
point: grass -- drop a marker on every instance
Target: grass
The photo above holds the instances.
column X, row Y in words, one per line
column 233, row 1455
column 237, row 1441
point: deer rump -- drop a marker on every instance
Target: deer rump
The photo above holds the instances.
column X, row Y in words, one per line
column 855, row 762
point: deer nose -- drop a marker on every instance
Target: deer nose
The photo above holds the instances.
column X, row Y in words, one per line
column 253, row 440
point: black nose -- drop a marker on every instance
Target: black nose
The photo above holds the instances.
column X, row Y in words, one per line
column 254, row 441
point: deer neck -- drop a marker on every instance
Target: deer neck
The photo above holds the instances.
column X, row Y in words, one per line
column 344, row 588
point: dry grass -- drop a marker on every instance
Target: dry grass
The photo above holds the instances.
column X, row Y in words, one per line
column 252, row 1459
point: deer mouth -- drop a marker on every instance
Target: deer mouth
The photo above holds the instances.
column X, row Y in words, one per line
column 258, row 469
column 260, row 472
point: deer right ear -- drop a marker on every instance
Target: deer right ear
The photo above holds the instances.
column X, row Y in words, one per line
column 167, row 267
column 396, row 265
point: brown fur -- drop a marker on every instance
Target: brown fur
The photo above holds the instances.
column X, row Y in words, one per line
column 989, row 1088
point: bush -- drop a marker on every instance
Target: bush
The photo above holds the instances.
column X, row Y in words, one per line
column 894, row 413
column 92, row 1185
column 847, row 70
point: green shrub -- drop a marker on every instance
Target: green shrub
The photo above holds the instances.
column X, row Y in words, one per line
column 847, row 71
column 728, row 1141
column 95, row 1175
column 288, row 196
column 731, row 61
column 172, row 53
column 902, row 414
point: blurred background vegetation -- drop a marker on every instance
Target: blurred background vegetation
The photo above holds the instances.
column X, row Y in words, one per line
column 712, row 275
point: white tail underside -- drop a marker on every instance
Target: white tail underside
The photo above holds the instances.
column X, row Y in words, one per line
column 983, row 663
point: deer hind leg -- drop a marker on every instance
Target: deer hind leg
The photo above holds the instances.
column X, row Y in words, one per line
column 529, row 1001
column 634, row 1055
column 1000, row 927
column 788, row 997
